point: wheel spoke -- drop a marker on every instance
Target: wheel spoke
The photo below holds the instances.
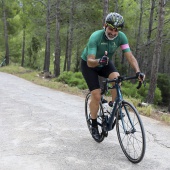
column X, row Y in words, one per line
column 131, row 133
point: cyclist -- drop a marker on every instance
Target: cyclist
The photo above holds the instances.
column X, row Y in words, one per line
column 96, row 61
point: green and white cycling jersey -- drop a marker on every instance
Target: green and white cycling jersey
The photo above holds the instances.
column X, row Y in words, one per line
column 98, row 44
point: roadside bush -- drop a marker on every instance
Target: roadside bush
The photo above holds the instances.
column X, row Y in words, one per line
column 65, row 77
column 73, row 79
column 163, row 83
column 143, row 91
column 78, row 75
column 130, row 90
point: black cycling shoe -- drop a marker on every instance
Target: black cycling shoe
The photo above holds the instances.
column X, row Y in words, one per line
column 95, row 133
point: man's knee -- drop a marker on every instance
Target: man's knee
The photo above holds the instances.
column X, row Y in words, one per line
column 96, row 95
column 114, row 75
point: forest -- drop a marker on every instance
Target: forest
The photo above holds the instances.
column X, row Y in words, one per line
column 49, row 35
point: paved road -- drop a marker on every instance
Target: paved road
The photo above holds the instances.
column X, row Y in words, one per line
column 44, row 129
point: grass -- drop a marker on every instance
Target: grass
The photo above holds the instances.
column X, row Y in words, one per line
column 33, row 76
column 146, row 110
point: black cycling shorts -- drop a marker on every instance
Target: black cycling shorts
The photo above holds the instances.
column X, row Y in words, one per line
column 91, row 74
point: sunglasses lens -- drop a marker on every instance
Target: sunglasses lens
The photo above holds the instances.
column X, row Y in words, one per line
column 117, row 28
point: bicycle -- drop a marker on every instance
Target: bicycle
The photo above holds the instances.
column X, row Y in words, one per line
column 3, row 63
column 129, row 127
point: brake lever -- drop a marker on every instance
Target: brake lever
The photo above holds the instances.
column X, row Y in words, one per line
column 140, row 84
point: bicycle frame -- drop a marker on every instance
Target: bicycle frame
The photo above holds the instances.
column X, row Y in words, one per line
column 119, row 99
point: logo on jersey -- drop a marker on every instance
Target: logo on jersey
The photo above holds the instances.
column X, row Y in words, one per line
column 114, row 45
column 103, row 43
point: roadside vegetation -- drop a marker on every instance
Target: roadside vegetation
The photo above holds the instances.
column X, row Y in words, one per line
column 74, row 83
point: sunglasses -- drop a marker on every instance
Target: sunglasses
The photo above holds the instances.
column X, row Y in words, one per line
column 117, row 28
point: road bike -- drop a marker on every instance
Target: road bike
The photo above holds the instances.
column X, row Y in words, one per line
column 124, row 115
column 3, row 63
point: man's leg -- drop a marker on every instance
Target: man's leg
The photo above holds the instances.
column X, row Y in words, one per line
column 113, row 91
column 91, row 77
column 94, row 107
column 95, row 101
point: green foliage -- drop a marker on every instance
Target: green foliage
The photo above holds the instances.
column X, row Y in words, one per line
column 143, row 91
column 165, row 118
column 120, row 64
column 73, row 79
column 35, row 44
column 163, row 83
column 33, row 53
column 130, row 90
column 157, row 96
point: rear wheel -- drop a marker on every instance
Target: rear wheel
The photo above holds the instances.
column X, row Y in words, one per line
column 130, row 132
column 100, row 118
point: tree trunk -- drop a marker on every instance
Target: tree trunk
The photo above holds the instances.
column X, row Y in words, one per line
column 70, row 40
column 23, row 48
column 105, row 12
column 116, row 9
column 57, row 47
column 77, row 63
column 166, row 62
column 147, row 46
column 137, row 54
column 47, row 49
column 157, row 53
column 105, row 9
column 66, row 54
column 5, row 33
column 169, row 108
column 23, row 42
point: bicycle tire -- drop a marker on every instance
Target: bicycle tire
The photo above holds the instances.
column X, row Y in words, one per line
column 133, row 136
column 99, row 118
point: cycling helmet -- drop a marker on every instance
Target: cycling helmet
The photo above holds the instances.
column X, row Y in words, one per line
column 114, row 20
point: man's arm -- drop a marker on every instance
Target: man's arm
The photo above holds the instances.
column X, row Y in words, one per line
column 132, row 61
column 91, row 61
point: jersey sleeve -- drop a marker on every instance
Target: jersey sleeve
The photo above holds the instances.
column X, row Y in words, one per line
column 92, row 45
column 124, row 43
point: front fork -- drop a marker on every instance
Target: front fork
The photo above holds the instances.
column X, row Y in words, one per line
column 132, row 129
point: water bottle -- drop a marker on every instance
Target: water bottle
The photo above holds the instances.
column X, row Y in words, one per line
column 105, row 108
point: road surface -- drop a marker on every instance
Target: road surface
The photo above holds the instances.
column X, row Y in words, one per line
column 44, row 129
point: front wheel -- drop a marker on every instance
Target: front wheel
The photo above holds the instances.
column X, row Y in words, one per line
column 130, row 132
column 100, row 118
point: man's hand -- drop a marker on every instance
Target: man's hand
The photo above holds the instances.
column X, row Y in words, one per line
column 140, row 76
column 104, row 60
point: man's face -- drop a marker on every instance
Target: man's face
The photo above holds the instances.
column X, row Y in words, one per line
column 111, row 32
